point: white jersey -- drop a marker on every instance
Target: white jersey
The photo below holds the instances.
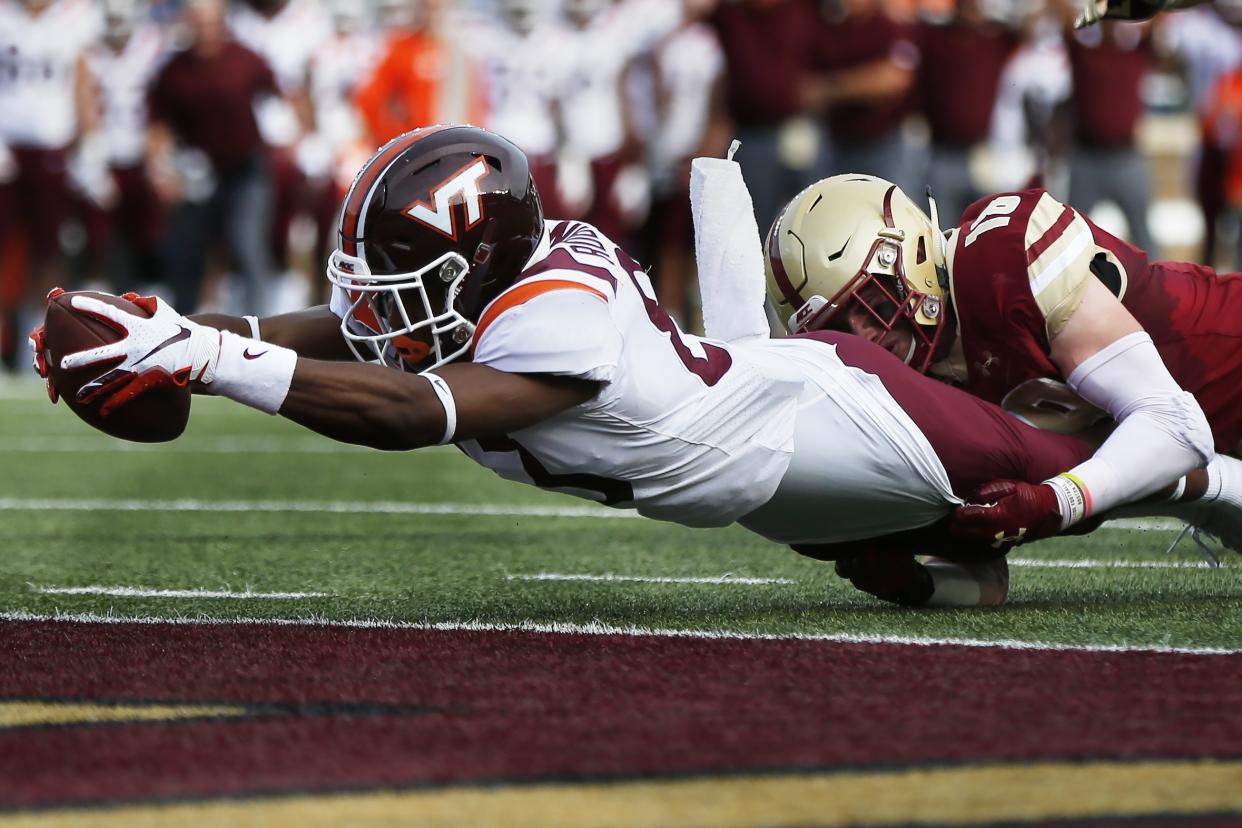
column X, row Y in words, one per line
column 689, row 64
column 286, row 39
column 592, row 96
column 38, row 63
column 123, row 78
column 336, row 68
column 523, row 77
column 777, row 433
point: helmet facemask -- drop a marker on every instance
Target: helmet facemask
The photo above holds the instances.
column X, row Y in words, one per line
column 379, row 327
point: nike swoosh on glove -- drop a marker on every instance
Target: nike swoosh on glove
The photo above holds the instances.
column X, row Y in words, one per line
column 164, row 349
column 1005, row 513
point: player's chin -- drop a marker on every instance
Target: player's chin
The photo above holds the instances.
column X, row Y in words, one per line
column 900, row 344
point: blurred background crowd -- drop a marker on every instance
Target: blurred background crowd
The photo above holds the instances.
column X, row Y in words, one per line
column 200, row 148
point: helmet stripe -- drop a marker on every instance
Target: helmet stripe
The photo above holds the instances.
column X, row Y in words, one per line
column 358, row 198
column 786, row 287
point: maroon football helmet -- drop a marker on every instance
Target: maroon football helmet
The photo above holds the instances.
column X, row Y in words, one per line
column 436, row 224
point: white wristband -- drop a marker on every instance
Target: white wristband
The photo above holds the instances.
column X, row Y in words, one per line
column 450, row 405
column 1072, row 497
column 253, row 322
column 257, row 374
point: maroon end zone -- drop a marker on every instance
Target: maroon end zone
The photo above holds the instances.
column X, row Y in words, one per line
column 354, row 708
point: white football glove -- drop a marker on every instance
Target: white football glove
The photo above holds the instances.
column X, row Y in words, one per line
column 164, row 349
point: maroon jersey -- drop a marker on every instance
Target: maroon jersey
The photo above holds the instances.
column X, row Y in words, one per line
column 1018, row 264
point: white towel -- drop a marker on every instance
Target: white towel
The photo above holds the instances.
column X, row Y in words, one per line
column 729, row 252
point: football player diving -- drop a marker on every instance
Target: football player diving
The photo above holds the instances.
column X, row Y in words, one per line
column 1028, row 304
column 460, row 315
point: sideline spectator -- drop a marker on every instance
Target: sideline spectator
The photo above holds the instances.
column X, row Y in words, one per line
column 961, row 61
column 1207, row 42
column 523, row 69
column 286, row 34
column 44, row 101
column 866, row 62
column 691, row 121
column 601, row 138
column 422, row 78
column 332, row 152
column 207, row 158
column 1108, row 62
column 126, row 233
column 768, row 48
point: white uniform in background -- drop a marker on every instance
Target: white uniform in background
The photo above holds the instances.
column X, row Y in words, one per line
column 523, row 74
column 335, row 69
column 688, row 65
column 38, row 59
column 592, row 103
column 287, row 40
column 691, row 430
column 123, row 78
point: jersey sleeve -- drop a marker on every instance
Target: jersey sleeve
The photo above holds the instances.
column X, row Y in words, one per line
column 1059, row 246
column 1022, row 263
column 566, row 331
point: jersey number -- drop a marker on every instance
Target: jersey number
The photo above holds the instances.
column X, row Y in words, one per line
column 715, row 360
column 710, row 368
column 996, row 214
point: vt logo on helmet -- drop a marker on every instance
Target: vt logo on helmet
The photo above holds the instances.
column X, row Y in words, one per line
column 437, row 223
column 462, row 188
column 854, row 253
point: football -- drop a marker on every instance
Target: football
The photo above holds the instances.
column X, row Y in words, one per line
column 155, row 416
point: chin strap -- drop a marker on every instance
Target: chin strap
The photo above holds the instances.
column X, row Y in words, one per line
column 940, row 256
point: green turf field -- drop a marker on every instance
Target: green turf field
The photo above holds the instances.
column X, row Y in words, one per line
column 244, row 506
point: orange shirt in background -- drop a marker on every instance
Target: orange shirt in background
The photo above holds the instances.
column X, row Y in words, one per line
column 419, row 81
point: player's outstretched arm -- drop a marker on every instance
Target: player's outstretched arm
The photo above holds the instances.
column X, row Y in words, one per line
column 388, row 409
column 349, row 401
column 314, row 332
column 1161, row 434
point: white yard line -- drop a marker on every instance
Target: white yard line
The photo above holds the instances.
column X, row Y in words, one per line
column 144, row 592
column 21, row 504
column 12, row 504
column 1040, row 563
column 647, row 579
column 76, row 444
column 602, row 629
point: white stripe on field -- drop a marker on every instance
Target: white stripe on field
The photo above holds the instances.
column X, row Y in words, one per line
column 600, row 628
column 1038, row 563
column 77, row 444
column 648, row 579
column 143, row 592
column 17, row 504
column 11, row 504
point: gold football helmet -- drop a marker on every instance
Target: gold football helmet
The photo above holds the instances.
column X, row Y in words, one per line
column 856, row 243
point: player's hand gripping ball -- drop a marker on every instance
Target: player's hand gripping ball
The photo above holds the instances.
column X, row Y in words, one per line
column 103, row 384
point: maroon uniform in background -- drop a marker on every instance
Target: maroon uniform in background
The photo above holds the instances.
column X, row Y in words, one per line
column 1193, row 314
column 958, row 78
column 957, row 83
column 767, row 53
column 1108, row 68
column 767, row 50
column 862, row 38
column 209, row 102
column 1108, row 63
column 866, row 132
column 206, row 98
